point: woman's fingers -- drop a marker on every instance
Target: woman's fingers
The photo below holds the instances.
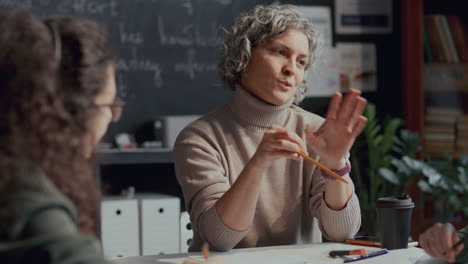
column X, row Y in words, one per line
column 357, row 111
column 347, row 111
column 451, row 239
column 359, row 126
column 427, row 242
column 334, row 106
column 446, row 243
column 349, row 103
column 282, row 133
column 285, row 145
column 458, row 249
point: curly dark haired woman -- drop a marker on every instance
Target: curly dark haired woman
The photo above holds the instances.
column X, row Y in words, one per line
column 57, row 97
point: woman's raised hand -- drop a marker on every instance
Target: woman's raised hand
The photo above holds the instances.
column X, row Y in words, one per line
column 342, row 125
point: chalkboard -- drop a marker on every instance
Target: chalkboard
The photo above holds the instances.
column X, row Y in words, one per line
column 167, row 50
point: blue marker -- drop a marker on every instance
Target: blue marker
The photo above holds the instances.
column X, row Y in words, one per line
column 370, row 255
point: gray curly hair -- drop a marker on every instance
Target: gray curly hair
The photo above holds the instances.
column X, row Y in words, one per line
column 261, row 24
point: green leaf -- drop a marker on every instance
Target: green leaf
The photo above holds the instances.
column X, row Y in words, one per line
column 401, row 167
column 389, row 176
column 458, row 188
column 370, row 111
column 455, row 202
column 442, row 184
column 424, row 186
column 389, row 134
column 413, row 163
column 432, row 175
column 463, row 160
column 374, row 132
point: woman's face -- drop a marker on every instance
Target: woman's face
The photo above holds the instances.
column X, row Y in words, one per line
column 276, row 68
column 103, row 116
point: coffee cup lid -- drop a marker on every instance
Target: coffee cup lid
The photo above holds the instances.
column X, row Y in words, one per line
column 400, row 202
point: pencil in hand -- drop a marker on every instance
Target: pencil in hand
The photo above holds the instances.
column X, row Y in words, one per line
column 327, row 170
column 458, row 243
column 206, row 250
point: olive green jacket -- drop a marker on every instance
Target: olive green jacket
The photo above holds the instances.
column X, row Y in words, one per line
column 38, row 224
column 463, row 256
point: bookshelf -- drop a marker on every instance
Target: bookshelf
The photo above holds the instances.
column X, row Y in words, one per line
column 435, row 74
column 434, row 88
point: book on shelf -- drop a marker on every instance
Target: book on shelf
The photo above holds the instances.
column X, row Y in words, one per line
column 439, row 137
column 439, row 144
column 427, row 49
column 457, row 27
column 435, row 37
column 445, row 39
column 438, row 149
column 462, row 129
column 463, row 119
column 461, row 145
column 433, row 110
column 453, row 54
column 439, row 129
column 440, row 120
column 462, row 142
column 445, row 77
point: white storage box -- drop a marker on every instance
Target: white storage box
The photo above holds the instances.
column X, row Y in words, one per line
column 186, row 232
column 120, row 227
column 159, row 222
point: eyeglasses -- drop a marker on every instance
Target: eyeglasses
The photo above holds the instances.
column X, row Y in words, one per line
column 116, row 108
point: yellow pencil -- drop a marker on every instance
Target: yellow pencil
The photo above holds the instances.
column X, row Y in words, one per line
column 206, row 250
column 327, row 170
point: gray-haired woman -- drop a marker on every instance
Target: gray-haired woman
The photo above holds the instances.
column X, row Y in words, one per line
column 243, row 181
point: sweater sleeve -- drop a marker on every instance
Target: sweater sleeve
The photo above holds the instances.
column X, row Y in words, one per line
column 335, row 225
column 200, row 171
column 463, row 256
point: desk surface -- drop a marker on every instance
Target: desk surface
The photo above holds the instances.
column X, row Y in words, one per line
column 297, row 254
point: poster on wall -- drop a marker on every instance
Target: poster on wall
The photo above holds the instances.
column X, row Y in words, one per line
column 363, row 16
column 358, row 66
column 320, row 16
column 322, row 76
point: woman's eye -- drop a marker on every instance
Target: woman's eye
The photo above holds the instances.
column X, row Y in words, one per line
column 281, row 52
column 302, row 62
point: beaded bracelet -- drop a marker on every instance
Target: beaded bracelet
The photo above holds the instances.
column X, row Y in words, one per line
column 341, row 172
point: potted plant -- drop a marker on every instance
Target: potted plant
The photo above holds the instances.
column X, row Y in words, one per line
column 370, row 153
column 443, row 181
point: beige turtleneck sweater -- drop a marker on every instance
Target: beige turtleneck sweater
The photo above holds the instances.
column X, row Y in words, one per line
column 210, row 154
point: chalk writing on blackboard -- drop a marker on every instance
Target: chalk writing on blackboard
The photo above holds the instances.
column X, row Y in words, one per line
column 191, row 66
column 88, row 7
column 136, row 64
column 25, row 4
column 127, row 37
column 189, row 36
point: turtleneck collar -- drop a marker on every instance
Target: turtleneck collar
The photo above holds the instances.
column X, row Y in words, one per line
column 255, row 113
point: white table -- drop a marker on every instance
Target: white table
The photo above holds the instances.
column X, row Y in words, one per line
column 296, row 254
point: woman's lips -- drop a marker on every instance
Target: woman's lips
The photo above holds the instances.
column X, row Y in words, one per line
column 285, row 85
